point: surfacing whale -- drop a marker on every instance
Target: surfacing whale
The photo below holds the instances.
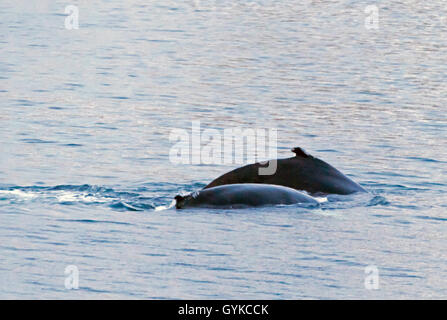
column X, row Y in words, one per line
column 302, row 172
column 242, row 196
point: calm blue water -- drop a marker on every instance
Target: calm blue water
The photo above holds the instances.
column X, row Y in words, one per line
column 85, row 119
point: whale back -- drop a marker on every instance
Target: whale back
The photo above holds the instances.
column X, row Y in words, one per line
column 302, row 172
column 243, row 195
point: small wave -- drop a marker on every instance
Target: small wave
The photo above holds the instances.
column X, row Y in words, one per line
column 94, row 221
column 125, row 206
column 432, row 218
column 335, row 201
column 81, row 195
column 378, row 201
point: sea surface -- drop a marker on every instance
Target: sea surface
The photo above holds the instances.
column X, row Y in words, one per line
column 87, row 114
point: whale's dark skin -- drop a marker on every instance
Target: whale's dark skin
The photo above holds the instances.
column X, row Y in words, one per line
column 243, row 195
column 302, row 172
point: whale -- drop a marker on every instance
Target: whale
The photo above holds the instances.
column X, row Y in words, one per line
column 302, row 172
column 236, row 196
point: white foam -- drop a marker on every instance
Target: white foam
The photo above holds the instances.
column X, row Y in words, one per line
column 321, row 199
column 19, row 193
column 160, row 208
column 67, row 196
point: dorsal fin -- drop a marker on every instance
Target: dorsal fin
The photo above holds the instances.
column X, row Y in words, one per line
column 299, row 152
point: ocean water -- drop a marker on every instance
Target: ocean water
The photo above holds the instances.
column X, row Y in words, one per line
column 87, row 183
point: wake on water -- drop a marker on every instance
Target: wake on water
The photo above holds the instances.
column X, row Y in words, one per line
column 145, row 198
